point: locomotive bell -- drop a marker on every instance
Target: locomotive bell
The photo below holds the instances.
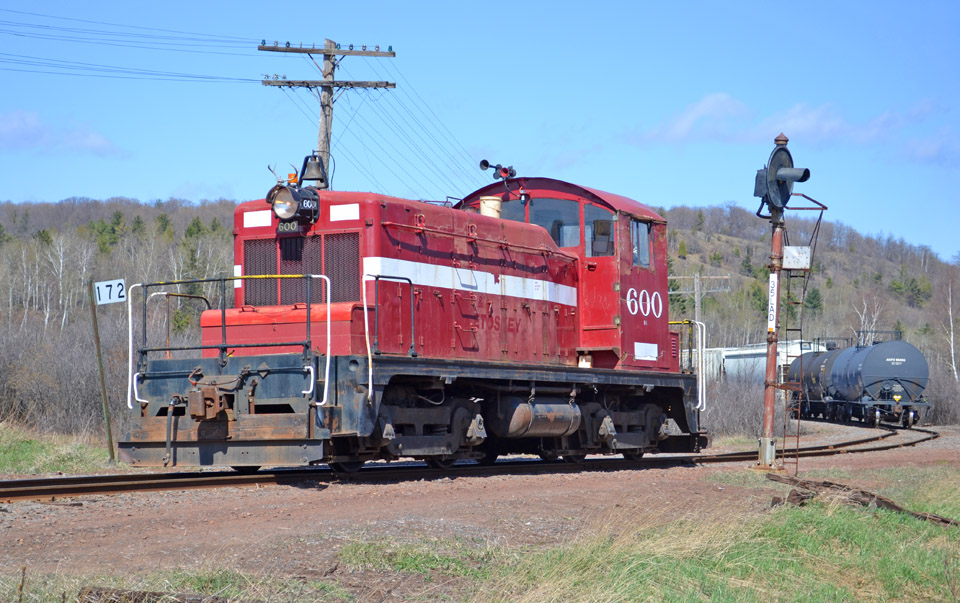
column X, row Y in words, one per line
column 313, row 170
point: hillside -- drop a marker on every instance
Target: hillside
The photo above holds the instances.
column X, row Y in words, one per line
column 49, row 250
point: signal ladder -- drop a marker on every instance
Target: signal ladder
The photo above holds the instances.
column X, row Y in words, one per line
column 796, row 276
column 792, row 391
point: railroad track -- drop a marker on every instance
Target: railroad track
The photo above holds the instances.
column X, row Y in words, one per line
column 56, row 488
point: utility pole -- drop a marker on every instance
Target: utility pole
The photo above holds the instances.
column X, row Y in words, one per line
column 330, row 51
column 698, row 290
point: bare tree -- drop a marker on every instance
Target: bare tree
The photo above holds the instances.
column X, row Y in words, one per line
column 950, row 334
column 870, row 316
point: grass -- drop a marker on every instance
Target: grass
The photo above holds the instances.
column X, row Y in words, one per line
column 821, row 552
column 451, row 558
column 226, row 583
column 23, row 451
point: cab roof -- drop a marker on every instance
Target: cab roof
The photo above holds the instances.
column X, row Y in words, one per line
column 535, row 185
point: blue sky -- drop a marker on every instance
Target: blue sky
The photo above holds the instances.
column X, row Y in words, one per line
column 667, row 103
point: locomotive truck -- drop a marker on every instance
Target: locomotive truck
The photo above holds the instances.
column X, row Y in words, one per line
column 529, row 317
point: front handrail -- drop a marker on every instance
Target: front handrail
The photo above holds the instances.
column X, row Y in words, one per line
column 223, row 346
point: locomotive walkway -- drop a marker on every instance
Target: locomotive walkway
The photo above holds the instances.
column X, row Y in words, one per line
column 56, row 488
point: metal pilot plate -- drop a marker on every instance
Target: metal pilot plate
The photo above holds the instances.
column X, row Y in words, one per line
column 796, row 257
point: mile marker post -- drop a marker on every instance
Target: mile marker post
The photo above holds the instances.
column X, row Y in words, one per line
column 107, row 292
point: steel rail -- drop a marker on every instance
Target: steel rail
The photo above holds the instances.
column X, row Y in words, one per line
column 52, row 489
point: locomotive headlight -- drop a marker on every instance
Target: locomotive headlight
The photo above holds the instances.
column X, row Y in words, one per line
column 284, row 201
column 294, row 203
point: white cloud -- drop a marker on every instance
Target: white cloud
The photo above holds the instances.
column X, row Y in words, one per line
column 23, row 130
column 720, row 117
column 940, row 148
column 707, row 118
column 826, row 124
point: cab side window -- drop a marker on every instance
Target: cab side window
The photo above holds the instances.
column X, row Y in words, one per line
column 598, row 230
column 561, row 218
column 640, row 239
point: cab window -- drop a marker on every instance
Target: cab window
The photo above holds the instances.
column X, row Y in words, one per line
column 514, row 209
column 640, row 239
column 561, row 218
column 598, row 230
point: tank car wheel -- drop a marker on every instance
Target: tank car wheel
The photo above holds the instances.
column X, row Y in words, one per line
column 346, row 466
column 574, row 458
column 632, row 456
column 442, row 464
column 245, row 468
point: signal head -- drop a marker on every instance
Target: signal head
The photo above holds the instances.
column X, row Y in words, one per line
column 774, row 183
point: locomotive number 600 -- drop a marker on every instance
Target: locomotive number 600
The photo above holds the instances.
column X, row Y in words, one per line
column 645, row 303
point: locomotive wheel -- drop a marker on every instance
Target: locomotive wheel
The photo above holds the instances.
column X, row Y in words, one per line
column 442, row 464
column 548, row 455
column 632, row 456
column 346, row 466
column 574, row 458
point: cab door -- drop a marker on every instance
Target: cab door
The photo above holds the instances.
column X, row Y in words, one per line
column 599, row 274
column 643, row 290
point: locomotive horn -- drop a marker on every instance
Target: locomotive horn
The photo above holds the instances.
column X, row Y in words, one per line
column 499, row 172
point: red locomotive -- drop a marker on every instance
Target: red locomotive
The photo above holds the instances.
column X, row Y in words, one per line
column 531, row 317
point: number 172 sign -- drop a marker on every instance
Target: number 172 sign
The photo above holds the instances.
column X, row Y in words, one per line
column 110, row 292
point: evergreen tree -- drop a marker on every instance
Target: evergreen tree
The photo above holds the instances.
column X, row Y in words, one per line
column 813, row 302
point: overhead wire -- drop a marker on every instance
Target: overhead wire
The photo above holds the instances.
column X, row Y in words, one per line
column 64, row 67
column 314, row 116
column 46, row 16
column 401, row 132
column 375, row 134
column 470, row 175
column 453, row 139
column 173, row 40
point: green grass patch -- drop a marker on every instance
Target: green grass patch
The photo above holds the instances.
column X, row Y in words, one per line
column 25, row 452
column 448, row 557
column 820, row 552
column 227, row 583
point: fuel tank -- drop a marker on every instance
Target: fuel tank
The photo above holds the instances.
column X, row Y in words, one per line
column 543, row 418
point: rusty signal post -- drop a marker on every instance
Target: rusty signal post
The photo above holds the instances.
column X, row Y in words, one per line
column 774, row 185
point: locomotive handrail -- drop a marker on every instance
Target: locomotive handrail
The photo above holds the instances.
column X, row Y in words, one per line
column 701, row 366
column 132, row 377
column 376, row 320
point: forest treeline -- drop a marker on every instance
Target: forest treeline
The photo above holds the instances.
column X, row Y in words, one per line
column 49, row 251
